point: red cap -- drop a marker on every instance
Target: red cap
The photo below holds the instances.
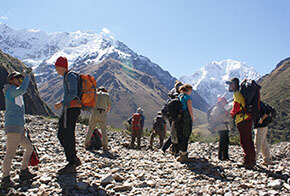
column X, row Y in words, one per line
column 61, row 62
column 222, row 99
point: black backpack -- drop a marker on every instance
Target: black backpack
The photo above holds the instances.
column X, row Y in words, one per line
column 271, row 115
column 251, row 92
column 96, row 140
column 158, row 123
column 172, row 110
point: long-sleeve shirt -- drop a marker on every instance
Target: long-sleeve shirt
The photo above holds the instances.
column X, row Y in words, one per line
column 70, row 86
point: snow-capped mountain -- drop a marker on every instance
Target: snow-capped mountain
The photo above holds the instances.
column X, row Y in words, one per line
column 39, row 50
column 209, row 81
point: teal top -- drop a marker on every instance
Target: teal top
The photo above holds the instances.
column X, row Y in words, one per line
column 184, row 98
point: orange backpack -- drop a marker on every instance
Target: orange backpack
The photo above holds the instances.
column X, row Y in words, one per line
column 86, row 90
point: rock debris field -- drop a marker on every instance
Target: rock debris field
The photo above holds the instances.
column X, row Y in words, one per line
column 145, row 172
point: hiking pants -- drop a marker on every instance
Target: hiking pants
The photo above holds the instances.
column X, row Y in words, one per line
column 223, row 144
column 160, row 133
column 261, row 143
column 182, row 139
column 245, row 129
column 97, row 117
column 136, row 133
column 13, row 141
column 66, row 134
column 168, row 143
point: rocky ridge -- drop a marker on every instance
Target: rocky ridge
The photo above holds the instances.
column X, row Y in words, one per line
column 126, row 171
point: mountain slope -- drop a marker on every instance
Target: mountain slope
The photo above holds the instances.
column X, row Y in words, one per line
column 276, row 92
column 128, row 87
column 33, row 103
column 39, row 50
column 209, row 81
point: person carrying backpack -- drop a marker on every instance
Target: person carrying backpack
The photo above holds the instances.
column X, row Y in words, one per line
column 137, row 123
column 14, row 126
column 221, row 119
column 184, row 127
column 243, row 121
column 159, row 128
column 99, row 115
column 70, row 112
column 172, row 139
column 261, row 130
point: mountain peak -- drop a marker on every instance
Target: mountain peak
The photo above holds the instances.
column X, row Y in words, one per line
column 209, row 81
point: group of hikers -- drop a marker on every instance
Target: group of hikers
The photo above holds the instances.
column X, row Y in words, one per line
column 177, row 110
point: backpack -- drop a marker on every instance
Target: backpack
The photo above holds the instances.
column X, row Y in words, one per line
column 96, row 140
column 251, row 92
column 136, row 121
column 34, row 158
column 172, row 110
column 158, row 123
column 271, row 115
column 86, row 90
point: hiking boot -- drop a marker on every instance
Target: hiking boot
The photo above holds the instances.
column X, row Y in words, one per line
column 247, row 165
column 267, row 162
column 183, row 158
column 77, row 162
column 25, row 174
column 7, row 183
column 68, row 169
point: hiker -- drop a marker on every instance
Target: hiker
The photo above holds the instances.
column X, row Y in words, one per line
column 137, row 123
column 244, row 123
column 99, row 115
column 14, row 126
column 184, row 128
column 159, row 128
column 261, row 130
column 173, row 135
column 222, row 119
column 70, row 112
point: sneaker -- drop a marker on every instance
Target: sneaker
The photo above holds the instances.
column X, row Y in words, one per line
column 247, row 165
column 68, row 169
column 7, row 183
column 25, row 174
column 78, row 162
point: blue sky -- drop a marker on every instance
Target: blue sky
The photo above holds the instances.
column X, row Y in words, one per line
column 179, row 35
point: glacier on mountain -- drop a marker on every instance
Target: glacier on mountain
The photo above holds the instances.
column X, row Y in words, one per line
column 209, row 81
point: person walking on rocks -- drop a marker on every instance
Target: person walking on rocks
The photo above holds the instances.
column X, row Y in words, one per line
column 14, row 126
column 185, row 129
column 172, row 139
column 70, row 112
column 261, row 130
column 137, row 123
column 222, row 119
column 159, row 128
column 244, row 124
column 99, row 115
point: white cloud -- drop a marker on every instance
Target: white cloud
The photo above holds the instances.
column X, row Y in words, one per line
column 4, row 17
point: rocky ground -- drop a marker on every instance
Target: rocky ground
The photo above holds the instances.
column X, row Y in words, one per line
column 126, row 171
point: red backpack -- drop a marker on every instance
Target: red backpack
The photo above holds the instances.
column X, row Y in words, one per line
column 136, row 121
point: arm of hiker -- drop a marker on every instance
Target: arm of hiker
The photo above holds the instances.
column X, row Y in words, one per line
column 108, row 108
column 189, row 106
column 57, row 106
column 263, row 118
column 236, row 109
column 72, row 82
column 21, row 90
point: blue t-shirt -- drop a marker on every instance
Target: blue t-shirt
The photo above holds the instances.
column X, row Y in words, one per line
column 184, row 98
